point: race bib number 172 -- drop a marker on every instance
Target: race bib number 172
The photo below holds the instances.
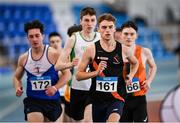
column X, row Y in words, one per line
column 40, row 83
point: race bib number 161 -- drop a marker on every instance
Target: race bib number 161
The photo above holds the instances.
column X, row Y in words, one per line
column 106, row 84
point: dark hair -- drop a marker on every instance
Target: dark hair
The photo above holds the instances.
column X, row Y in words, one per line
column 54, row 34
column 87, row 11
column 33, row 25
column 108, row 17
column 74, row 28
column 118, row 29
column 129, row 24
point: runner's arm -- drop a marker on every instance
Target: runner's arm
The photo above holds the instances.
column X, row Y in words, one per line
column 133, row 62
column 152, row 66
column 88, row 56
column 63, row 61
column 18, row 76
column 63, row 78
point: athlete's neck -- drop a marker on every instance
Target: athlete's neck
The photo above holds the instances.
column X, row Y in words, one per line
column 108, row 45
column 87, row 35
column 38, row 49
column 132, row 47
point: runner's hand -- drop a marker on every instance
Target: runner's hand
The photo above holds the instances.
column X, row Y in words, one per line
column 102, row 66
column 50, row 91
column 145, row 85
column 19, row 91
column 75, row 61
column 128, row 80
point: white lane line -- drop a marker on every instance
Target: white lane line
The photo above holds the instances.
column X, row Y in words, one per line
column 10, row 108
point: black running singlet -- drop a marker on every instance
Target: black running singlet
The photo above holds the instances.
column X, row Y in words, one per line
column 110, row 84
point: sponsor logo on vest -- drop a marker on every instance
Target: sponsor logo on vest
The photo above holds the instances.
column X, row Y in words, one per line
column 102, row 58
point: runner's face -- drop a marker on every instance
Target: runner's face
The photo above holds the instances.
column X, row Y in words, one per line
column 128, row 36
column 35, row 38
column 55, row 42
column 88, row 23
column 107, row 29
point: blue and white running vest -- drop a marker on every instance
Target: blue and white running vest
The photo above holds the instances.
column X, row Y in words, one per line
column 40, row 75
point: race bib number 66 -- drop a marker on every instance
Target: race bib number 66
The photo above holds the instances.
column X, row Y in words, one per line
column 106, row 84
column 40, row 83
column 134, row 86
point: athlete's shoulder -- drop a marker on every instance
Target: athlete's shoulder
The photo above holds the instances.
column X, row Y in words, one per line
column 98, row 35
column 52, row 54
column 90, row 51
column 71, row 39
column 76, row 33
column 52, row 50
column 90, row 48
column 146, row 51
column 22, row 58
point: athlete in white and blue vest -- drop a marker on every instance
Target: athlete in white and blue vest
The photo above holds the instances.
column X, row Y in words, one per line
column 42, row 103
column 40, row 75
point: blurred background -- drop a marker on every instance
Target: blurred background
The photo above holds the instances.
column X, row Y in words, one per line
column 159, row 30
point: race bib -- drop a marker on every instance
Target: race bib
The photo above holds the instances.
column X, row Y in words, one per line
column 40, row 83
column 134, row 86
column 106, row 84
